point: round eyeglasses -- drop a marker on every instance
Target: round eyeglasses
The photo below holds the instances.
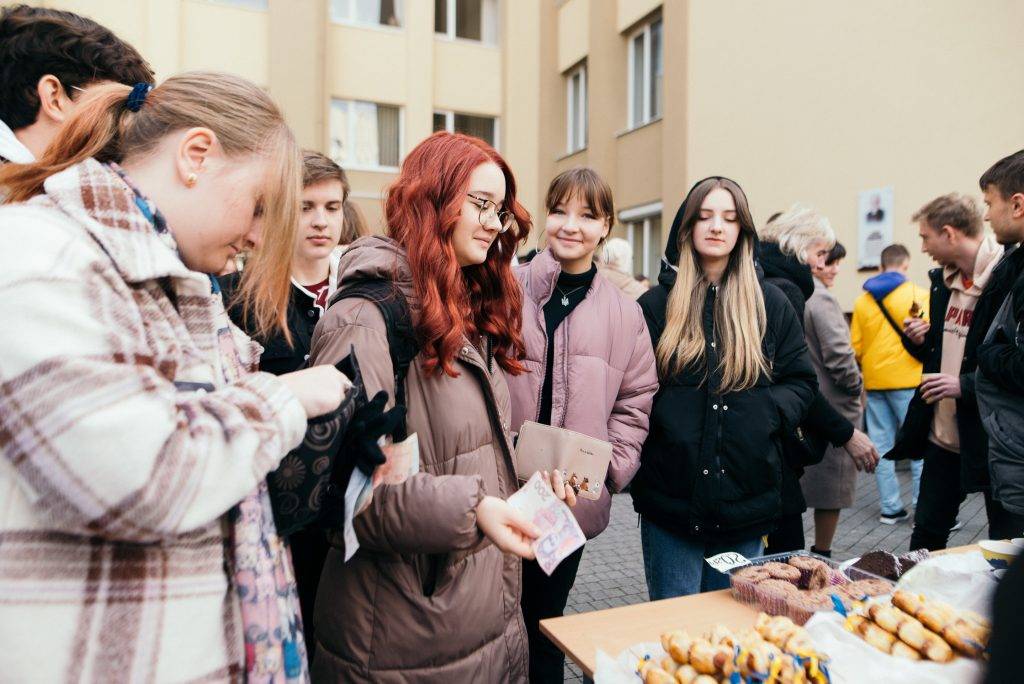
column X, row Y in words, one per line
column 489, row 211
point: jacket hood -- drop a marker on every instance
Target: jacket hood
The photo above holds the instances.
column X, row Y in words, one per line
column 667, row 275
column 377, row 257
column 786, row 267
column 881, row 285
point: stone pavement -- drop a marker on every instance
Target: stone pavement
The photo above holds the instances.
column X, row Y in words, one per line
column 612, row 570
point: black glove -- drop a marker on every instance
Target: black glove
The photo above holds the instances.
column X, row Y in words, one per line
column 368, row 424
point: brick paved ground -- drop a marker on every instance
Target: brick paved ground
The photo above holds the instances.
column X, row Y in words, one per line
column 612, row 571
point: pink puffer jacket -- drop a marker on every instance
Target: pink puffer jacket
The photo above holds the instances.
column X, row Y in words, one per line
column 604, row 375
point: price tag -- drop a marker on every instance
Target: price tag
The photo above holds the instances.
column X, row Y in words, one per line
column 724, row 562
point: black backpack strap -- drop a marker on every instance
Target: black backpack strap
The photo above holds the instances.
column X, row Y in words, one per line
column 892, row 321
column 401, row 336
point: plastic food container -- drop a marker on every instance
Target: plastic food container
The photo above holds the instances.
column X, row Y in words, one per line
column 800, row 583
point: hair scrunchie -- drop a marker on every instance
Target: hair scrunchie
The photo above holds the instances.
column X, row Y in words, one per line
column 138, row 96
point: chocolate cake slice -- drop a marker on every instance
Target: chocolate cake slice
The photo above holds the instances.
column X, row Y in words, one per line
column 881, row 563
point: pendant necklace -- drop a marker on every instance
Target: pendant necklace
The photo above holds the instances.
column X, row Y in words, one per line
column 565, row 295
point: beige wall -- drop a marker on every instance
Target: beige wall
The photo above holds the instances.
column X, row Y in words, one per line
column 822, row 100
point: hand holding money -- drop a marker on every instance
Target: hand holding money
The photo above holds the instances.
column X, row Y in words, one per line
column 506, row 527
column 560, row 534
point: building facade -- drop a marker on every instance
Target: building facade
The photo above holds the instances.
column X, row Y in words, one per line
column 797, row 101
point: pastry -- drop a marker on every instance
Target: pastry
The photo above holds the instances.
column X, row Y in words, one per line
column 782, row 571
column 866, row 587
column 744, row 581
column 879, row 563
column 652, row 674
column 910, row 631
column 807, row 567
column 964, row 631
column 820, row 577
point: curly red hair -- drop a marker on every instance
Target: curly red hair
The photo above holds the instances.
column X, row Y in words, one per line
column 422, row 209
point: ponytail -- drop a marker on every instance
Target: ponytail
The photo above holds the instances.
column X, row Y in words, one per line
column 109, row 126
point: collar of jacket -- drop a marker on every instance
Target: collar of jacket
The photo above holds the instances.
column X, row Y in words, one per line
column 990, row 252
column 543, row 271
column 96, row 197
column 787, row 267
column 11, row 148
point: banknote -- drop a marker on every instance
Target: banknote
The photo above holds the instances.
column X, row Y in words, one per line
column 403, row 460
column 560, row 533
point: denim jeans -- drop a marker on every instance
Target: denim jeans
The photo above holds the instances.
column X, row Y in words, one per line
column 886, row 411
column 674, row 565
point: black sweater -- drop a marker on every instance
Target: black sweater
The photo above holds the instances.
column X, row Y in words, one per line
column 571, row 288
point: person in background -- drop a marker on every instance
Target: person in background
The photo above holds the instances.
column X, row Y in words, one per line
column 943, row 424
column 433, row 591
column 830, row 486
column 1000, row 377
column 591, row 370
column 734, row 375
column 614, row 265
column 891, row 374
column 137, row 431
column 48, row 59
column 314, row 278
column 793, row 244
column 354, row 226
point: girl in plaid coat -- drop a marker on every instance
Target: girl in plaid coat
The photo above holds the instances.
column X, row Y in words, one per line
column 136, row 539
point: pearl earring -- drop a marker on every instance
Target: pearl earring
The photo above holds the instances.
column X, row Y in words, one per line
column 191, row 179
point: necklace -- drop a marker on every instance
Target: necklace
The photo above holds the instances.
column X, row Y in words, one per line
column 565, row 295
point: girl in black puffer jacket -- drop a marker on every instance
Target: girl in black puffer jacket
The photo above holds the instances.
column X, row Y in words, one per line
column 735, row 375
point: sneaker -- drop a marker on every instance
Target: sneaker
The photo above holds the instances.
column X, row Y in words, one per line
column 893, row 518
column 957, row 524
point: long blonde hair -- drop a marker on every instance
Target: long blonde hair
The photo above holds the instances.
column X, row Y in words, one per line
column 739, row 314
column 246, row 122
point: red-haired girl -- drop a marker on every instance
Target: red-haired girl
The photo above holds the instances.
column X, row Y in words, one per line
column 433, row 592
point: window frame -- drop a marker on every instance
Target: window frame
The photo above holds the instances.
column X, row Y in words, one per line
column 352, row 21
column 641, row 217
column 449, row 33
column 449, row 123
column 576, row 121
column 351, row 123
column 646, row 116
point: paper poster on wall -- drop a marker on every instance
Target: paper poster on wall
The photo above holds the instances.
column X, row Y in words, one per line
column 874, row 225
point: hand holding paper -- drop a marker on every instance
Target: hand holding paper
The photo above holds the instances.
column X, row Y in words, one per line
column 560, row 534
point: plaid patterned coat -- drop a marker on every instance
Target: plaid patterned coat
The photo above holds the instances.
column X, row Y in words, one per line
column 116, row 474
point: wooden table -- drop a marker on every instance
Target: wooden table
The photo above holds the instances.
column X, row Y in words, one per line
column 579, row 636
column 613, row 630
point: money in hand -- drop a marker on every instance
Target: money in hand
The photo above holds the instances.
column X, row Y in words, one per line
column 560, row 533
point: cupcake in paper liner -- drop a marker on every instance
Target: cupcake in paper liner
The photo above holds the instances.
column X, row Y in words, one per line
column 744, row 582
column 774, row 595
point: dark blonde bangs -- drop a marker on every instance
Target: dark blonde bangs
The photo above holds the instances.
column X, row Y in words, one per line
column 584, row 183
column 266, row 281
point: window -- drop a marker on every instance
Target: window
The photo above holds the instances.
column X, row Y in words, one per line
column 643, row 232
column 369, row 12
column 469, row 19
column 646, row 73
column 483, row 127
column 576, row 109
column 365, row 135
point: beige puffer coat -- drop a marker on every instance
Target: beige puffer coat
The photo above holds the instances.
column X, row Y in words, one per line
column 426, row 597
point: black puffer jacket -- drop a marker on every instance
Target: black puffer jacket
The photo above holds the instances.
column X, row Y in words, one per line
column 913, row 436
column 278, row 356
column 822, row 423
column 711, row 467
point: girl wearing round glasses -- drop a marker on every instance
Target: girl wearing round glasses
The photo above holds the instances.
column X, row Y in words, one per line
column 433, row 591
column 591, row 369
